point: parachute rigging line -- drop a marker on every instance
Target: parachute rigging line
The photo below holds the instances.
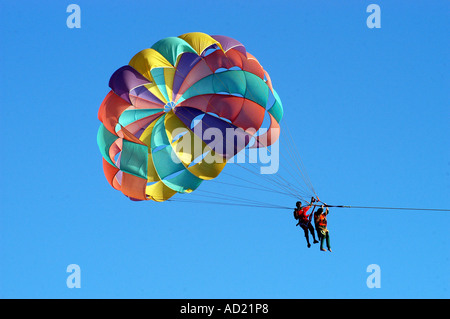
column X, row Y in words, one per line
column 391, row 208
column 295, row 156
column 277, row 180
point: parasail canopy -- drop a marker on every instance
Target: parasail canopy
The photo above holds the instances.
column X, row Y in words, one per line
column 180, row 110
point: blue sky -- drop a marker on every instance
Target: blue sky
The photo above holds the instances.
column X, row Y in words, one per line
column 368, row 109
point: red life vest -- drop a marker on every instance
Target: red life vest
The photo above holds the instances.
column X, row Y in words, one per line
column 302, row 214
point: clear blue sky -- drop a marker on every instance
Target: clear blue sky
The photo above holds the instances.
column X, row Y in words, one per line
column 368, row 108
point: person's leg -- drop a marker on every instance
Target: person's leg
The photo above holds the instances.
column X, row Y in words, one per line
column 318, row 232
column 328, row 241
column 305, row 229
column 311, row 230
column 322, row 241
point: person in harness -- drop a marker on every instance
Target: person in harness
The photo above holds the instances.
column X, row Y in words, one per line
column 320, row 221
column 304, row 220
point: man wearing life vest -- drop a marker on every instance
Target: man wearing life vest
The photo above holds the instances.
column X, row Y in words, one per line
column 304, row 220
column 320, row 221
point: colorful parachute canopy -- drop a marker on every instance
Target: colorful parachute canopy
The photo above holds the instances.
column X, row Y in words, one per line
column 157, row 120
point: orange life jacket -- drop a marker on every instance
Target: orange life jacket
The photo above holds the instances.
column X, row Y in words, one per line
column 322, row 220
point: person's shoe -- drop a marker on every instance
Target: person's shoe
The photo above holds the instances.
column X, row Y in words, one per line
column 309, row 245
column 322, row 249
column 315, row 241
column 329, row 249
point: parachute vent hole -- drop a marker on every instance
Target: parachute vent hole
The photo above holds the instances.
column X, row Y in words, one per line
column 159, row 148
column 233, row 68
column 117, row 159
column 178, row 136
column 270, row 101
column 173, row 175
column 222, row 118
column 220, row 70
column 196, row 120
column 229, row 93
column 210, row 50
column 199, row 159
column 169, row 106
column 118, row 177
